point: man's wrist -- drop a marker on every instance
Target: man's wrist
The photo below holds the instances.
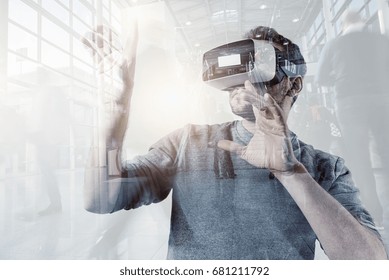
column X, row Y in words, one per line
column 114, row 162
column 295, row 168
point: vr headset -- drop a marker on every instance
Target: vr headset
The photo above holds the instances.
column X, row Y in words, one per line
column 230, row 65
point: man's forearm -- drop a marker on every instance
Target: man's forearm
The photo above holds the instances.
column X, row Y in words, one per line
column 116, row 131
column 102, row 183
column 340, row 234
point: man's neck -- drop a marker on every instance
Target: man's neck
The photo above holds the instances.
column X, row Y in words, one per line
column 249, row 125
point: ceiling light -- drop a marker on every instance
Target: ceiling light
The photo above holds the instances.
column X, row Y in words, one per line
column 197, row 45
column 188, row 23
column 225, row 16
column 263, row 6
column 295, row 20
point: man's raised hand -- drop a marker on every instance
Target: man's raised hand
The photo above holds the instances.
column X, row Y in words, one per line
column 270, row 146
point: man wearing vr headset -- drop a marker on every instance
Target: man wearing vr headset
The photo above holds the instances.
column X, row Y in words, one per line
column 241, row 190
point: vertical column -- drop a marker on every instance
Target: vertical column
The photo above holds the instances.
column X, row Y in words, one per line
column 383, row 15
column 3, row 72
column 327, row 20
column 3, row 45
column 99, row 12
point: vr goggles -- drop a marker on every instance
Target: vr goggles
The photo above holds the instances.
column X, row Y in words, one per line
column 230, row 65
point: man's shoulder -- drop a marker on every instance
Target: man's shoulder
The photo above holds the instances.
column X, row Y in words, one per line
column 197, row 130
column 195, row 133
column 309, row 151
column 319, row 162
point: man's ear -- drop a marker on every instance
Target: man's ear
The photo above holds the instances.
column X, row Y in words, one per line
column 297, row 85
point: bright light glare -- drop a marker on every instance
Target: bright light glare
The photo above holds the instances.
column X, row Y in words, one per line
column 165, row 95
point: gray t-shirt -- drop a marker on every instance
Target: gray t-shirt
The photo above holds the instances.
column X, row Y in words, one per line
column 225, row 208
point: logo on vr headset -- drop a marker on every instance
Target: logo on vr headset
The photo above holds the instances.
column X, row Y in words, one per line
column 289, row 67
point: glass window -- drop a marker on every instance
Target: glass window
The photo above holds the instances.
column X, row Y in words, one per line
column 56, row 10
column 83, row 67
column 23, row 14
column 83, row 115
column 18, row 65
column 116, row 11
column 310, row 33
column 106, row 14
column 106, row 3
column 338, row 27
column 320, row 30
column 356, row 4
column 313, row 40
column 55, row 58
column 373, row 8
column 22, row 42
column 15, row 88
column 55, row 34
column 65, row 2
column 338, row 5
column 318, row 21
column 116, row 25
column 84, row 72
column 80, row 27
column 374, row 25
column 83, row 12
column 364, row 13
column 81, row 52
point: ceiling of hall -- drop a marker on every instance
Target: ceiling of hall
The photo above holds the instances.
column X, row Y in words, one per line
column 209, row 23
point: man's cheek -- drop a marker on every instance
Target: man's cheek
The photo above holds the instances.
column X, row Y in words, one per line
column 240, row 103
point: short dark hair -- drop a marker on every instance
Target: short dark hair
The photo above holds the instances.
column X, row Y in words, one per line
column 271, row 35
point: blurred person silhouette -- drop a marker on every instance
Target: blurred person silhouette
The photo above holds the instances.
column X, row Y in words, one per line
column 18, row 129
column 319, row 125
column 48, row 123
column 357, row 65
column 13, row 132
column 247, row 189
